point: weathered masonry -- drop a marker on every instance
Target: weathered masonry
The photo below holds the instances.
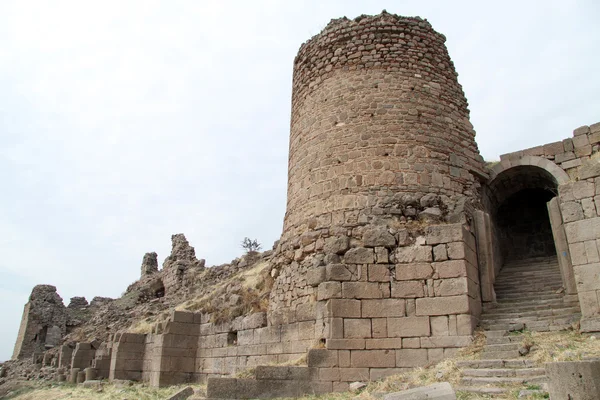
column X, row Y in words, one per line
column 394, row 233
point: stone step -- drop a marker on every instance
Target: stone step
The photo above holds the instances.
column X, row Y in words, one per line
column 504, row 339
column 497, row 363
column 534, row 313
column 495, row 355
column 483, row 390
column 495, row 334
column 489, row 348
column 530, row 321
column 504, row 372
column 477, row 381
column 525, row 307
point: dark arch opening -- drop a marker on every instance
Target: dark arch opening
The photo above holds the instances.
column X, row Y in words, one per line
column 518, row 200
column 525, row 230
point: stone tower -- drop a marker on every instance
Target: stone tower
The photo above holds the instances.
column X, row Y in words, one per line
column 377, row 112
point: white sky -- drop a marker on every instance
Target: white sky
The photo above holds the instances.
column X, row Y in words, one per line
column 123, row 122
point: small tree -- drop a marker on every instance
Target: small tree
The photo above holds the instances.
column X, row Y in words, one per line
column 251, row 246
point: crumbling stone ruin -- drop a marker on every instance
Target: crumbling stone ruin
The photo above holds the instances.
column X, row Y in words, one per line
column 395, row 232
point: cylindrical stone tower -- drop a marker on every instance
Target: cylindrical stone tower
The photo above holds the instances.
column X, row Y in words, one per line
column 377, row 113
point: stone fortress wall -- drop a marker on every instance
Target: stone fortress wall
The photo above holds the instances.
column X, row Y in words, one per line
column 394, row 233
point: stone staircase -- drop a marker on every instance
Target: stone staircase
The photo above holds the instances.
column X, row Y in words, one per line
column 529, row 296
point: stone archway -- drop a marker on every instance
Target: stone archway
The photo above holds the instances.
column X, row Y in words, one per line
column 526, row 222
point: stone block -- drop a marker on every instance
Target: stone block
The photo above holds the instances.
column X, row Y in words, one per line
column 450, row 269
column 571, row 211
column 357, row 328
column 345, row 344
column 181, row 328
column 408, row 289
column 413, row 271
column 344, row 308
column 583, row 151
column 574, row 379
column 182, row 316
column 583, row 230
column 315, row 276
column 591, row 252
column 278, row 372
column 442, row 305
column 590, row 169
column 375, row 236
column 437, row 391
column 379, row 327
column 439, row 325
column 305, row 312
column 582, row 130
column 408, row 327
column 359, row 255
column 336, row 245
column 322, row 358
column 437, row 234
column 365, row 290
column 568, row 144
column 382, row 255
column 588, row 301
column 379, row 273
column 329, row 290
column 411, row 254
column 411, row 343
column 439, row 342
column 440, row 253
column 588, row 277
column 383, row 308
column 583, row 189
column 578, row 254
column 383, row 343
column 450, row 287
column 566, row 156
column 329, row 374
column 253, row 321
column 551, row 149
column 409, row 358
column 341, row 272
column 354, row 374
column 372, row 358
column 465, row 324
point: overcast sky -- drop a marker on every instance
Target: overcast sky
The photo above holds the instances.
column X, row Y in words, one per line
column 123, row 122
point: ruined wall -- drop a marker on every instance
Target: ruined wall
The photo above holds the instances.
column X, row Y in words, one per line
column 43, row 324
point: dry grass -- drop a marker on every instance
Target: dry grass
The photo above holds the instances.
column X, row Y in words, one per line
column 106, row 392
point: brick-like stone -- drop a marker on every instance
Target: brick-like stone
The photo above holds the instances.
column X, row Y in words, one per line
column 450, row 287
column 383, row 308
column 443, row 305
column 322, row 358
column 379, row 273
column 372, row 358
column 413, row 271
column 386, row 343
column 359, row 255
column 315, row 276
column 343, row 308
column 439, row 325
column 345, row 344
column 375, row 236
column 437, row 234
column 450, row 269
column 445, row 341
column 408, row 327
column 583, row 230
column 341, row 272
column 379, row 327
column 336, row 245
column 382, row 255
column 583, row 189
column 440, row 253
column 354, row 374
column 408, row 289
column 571, row 211
column 365, row 290
column 416, row 253
column 410, row 358
column 329, row 290
column 357, row 328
